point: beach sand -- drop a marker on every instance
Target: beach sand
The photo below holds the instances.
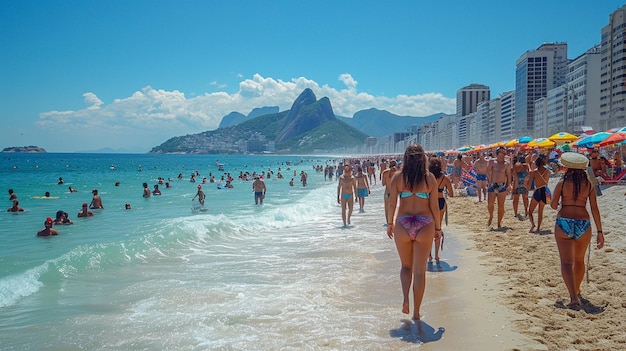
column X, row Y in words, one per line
column 528, row 268
column 501, row 290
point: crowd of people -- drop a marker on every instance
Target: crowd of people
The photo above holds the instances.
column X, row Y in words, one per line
column 417, row 184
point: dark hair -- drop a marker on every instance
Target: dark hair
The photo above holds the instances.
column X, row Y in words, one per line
column 541, row 160
column 434, row 166
column 577, row 177
column 414, row 169
column 459, row 157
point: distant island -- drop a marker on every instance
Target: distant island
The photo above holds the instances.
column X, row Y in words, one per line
column 23, row 149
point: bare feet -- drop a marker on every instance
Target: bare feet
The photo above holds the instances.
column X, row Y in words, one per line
column 416, row 317
column 405, row 308
column 532, row 229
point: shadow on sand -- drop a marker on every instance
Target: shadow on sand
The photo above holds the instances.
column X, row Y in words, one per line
column 418, row 332
column 440, row 266
column 585, row 305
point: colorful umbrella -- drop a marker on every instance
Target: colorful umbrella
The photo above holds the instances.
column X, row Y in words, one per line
column 591, row 140
column 512, row 143
column 465, row 149
column 541, row 143
column 563, row 136
column 525, row 139
column 613, row 130
column 614, row 138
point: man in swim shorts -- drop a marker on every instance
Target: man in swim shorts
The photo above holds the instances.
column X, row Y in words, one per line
column 346, row 191
column 258, row 186
column 480, row 167
column 499, row 173
column 362, row 187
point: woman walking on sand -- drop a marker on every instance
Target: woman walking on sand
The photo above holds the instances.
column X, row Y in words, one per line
column 415, row 189
column 540, row 178
column 386, row 177
column 572, row 230
column 443, row 183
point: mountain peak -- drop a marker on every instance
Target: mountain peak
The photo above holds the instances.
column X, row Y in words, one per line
column 306, row 113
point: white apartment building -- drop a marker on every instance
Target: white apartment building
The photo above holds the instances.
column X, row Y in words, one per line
column 541, row 115
column 536, row 72
column 507, row 116
column 575, row 104
column 468, row 98
column 613, row 71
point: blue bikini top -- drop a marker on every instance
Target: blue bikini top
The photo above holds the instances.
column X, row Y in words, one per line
column 422, row 195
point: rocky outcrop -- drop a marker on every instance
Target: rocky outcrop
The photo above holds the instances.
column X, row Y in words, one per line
column 306, row 114
column 23, row 149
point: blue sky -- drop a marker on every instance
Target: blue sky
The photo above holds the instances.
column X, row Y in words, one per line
column 127, row 75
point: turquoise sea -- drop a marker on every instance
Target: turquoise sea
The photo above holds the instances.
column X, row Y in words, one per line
column 281, row 275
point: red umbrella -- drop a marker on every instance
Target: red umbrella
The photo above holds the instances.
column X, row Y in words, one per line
column 614, row 138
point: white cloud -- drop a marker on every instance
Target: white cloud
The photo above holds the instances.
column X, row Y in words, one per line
column 92, row 100
column 151, row 116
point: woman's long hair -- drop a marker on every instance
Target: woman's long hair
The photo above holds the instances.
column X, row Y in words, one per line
column 413, row 166
column 577, row 177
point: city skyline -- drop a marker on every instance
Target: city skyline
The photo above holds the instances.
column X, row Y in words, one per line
column 86, row 76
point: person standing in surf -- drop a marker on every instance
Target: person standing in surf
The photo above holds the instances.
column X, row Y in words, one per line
column 414, row 190
column 258, row 186
column 200, row 195
column 385, row 180
column 346, row 192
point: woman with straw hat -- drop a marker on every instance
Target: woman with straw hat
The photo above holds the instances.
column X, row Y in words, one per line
column 573, row 227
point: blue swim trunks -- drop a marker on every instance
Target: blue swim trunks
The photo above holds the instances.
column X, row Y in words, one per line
column 361, row 192
column 480, row 177
column 497, row 187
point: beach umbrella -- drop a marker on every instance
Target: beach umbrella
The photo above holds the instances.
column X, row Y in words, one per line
column 465, row 149
column 614, row 138
column 547, row 143
column 525, row 139
column 512, row 143
column 613, row 130
column 591, row 140
column 563, row 136
column 541, row 143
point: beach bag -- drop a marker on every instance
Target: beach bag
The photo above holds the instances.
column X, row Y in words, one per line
column 548, row 196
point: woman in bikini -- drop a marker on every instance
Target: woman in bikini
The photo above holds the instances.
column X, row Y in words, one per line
column 414, row 190
column 540, row 178
column 385, row 178
column 573, row 227
column 443, row 182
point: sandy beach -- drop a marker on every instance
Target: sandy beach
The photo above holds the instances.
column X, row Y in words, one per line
column 531, row 286
column 502, row 290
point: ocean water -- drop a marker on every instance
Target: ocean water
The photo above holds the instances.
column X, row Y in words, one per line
column 281, row 275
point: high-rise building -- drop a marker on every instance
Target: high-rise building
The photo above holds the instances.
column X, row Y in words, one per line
column 468, row 98
column 507, row 115
column 613, row 71
column 536, row 72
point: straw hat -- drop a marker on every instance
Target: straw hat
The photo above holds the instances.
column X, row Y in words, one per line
column 574, row 160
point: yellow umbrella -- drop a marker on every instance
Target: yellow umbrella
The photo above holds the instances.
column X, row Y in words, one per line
column 541, row 143
column 563, row 136
column 512, row 143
